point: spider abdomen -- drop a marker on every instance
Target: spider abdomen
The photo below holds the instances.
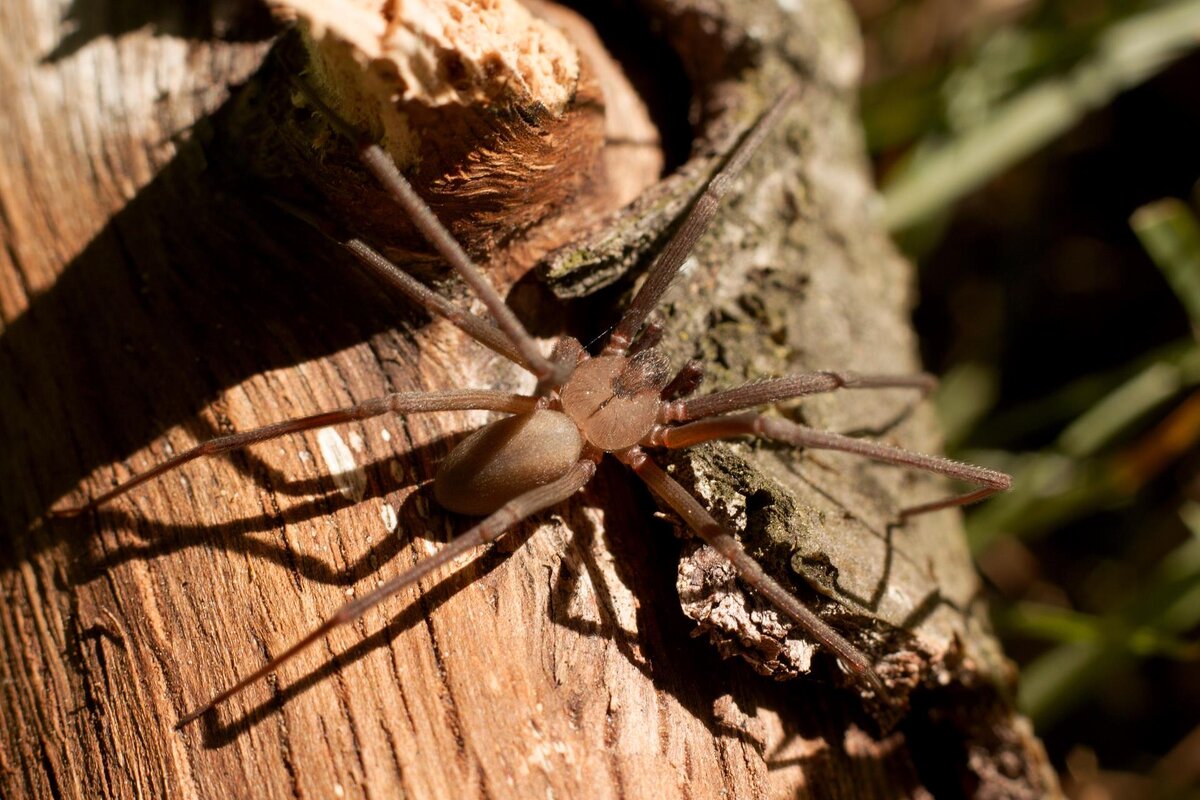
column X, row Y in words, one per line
column 505, row 459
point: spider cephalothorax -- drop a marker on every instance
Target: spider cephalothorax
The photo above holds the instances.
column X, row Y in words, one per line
column 623, row 402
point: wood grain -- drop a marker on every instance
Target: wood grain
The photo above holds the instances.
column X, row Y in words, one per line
column 148, row 302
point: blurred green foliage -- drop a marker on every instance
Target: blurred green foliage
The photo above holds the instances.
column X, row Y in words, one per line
column 1016, row 90
column 1061, row 300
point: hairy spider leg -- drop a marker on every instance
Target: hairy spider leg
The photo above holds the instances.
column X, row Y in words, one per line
column 686, row 380
column 781, row 430
column 714, row 535
column 623, row 340
column 662, row 272
column 549, row 372
column 399, row 403
column 649, row 338
column 385, row 270
column 773, row 390
column 710, row 428
column 489, row 530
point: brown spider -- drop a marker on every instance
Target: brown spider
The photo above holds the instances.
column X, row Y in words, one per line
column 623, row 402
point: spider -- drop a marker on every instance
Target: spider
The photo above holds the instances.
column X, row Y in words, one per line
column 624, row 402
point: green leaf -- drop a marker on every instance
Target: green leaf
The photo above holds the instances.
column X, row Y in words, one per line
column 1170, row 233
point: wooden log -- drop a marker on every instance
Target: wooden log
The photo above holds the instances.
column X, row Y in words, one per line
column 152, row 297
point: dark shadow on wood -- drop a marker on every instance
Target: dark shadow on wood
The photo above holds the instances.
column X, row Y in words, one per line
column 196, row 285
column 231, row 20
column 156, row 539
column 664, row 649
column 218, row 735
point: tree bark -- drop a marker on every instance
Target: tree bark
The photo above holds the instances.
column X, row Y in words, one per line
column 150, row 299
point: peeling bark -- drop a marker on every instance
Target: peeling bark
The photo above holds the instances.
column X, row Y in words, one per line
column 151, row 297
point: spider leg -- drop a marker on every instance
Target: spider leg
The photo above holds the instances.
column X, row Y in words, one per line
column 686, row 381
column 490, row 529
column 400, row 403
column 650, row 336
column 384, row 269
column 708, row 529
column 773, row 390
column 695, row 223
column 380, row 164
column 781, row 430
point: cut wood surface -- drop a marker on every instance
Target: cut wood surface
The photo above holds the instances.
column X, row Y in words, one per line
column 151, row 296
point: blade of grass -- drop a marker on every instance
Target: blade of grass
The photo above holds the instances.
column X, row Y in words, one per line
column 1129, row 52
column 1064, row 626
column 1083, row 394
column 1121, row 408
column 1170, row 233
column 1066, row 675
column 1052, row 487
column 964, row 396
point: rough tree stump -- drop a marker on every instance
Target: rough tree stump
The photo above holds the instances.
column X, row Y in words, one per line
column 152, row 297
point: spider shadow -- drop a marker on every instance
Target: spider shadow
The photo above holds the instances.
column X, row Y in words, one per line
column 930, row 602
column 640, row 569
column 883, row 525
column 663, row 648
column 195, row 263
column 921, row 610
column 217, row 734
column 258, row 470
column 896, row 635
column 230, row 20
column 158, row 539
column 885, row 530
column 666, row 648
